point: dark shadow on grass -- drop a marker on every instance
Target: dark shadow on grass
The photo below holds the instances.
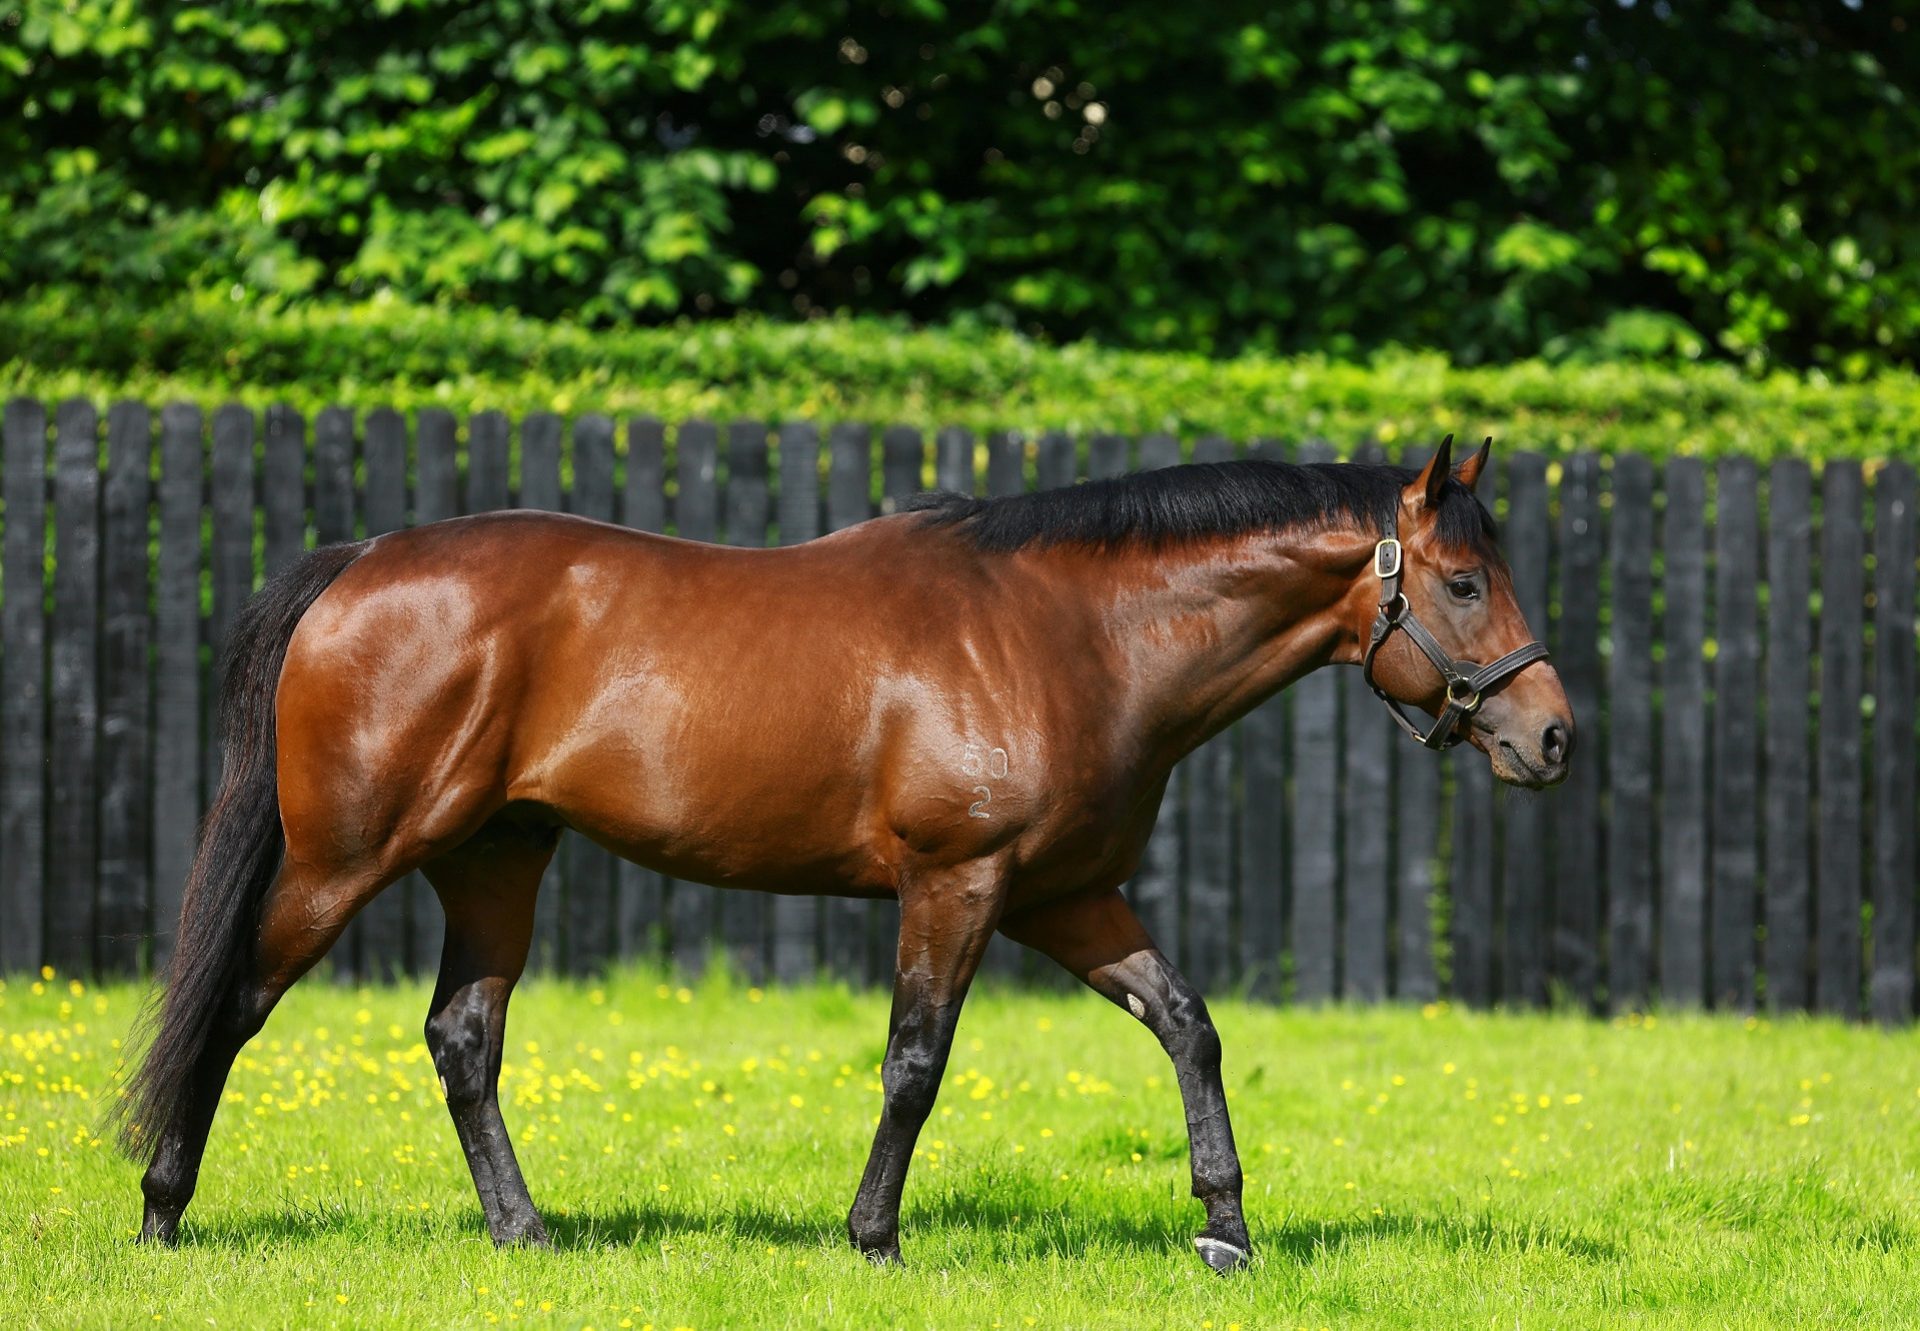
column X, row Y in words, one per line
column 1047, row 1225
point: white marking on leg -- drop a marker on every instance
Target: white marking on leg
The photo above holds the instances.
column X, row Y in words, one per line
column 1138, row 1008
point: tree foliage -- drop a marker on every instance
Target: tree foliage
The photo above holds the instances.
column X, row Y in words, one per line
column 1574, row 178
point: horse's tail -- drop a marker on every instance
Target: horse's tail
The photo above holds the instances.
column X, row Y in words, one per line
column 241, row 842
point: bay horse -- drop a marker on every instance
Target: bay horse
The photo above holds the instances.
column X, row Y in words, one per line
column 972, row 706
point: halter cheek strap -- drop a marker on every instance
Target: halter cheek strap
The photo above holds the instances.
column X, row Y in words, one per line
column 1466, row 682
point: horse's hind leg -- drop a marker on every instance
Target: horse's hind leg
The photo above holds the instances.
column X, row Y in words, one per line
column 487, row 886
column 1102, row 941
column 304, row 912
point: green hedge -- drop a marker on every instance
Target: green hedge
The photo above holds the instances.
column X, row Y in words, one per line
column 388, row 354
column 1736, row 179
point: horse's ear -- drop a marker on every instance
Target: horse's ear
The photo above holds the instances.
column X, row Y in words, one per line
column 1425, row 489
column 1469, row 473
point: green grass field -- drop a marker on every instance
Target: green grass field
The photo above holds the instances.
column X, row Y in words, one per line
column 695, row 1152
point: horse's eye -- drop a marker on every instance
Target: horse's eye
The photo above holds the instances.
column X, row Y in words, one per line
column 1463, row 589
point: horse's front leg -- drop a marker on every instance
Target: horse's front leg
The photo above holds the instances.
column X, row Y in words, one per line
column 1101, row 940
column 946, row 920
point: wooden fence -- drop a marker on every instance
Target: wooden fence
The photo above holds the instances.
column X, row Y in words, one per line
column 1738, row 644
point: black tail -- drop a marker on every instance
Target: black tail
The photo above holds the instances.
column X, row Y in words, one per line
column 241, row 843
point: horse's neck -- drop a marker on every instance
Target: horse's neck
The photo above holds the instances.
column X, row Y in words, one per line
column 1208, row 630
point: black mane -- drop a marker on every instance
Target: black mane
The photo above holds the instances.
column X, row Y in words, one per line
column 1174, row 504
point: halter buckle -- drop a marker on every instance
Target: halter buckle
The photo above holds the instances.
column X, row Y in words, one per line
column 1386, row 559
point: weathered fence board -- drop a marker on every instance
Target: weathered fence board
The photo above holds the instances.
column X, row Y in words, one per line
column 1474, row 870
column 121, row 925
column 1683, row 737
column 1647, row 878
column 1890, row 986
column 1837, row 827
column 1736, row 738
column 177, row 791
column 23, row 683
column 1575, row 640
column 1316, row 822
column 1630, row 821
column 74, row 688
column 1526, row 874
column 1789, row 776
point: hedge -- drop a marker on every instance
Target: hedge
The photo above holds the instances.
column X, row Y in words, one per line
column 391, row 354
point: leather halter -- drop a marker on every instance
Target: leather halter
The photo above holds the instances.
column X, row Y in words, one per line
column 1466, row 682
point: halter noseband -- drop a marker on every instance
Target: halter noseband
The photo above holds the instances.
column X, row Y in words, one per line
column 1466, row 682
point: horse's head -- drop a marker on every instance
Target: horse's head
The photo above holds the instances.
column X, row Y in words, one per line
column 1449, row 637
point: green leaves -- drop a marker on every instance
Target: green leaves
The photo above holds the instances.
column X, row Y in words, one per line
column 1491, row 182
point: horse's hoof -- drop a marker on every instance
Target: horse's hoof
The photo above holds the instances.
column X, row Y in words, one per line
column 159, row 1231
column 533, row 1235
column 886, row 1254
column 1221, row 1255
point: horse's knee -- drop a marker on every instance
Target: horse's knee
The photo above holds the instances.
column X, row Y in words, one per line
column 460, row 1039
column 1190, row 1036
column 911, row 1076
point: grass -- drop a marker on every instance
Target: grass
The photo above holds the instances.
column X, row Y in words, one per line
column 695, row 1151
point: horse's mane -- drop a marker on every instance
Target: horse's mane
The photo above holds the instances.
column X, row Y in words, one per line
column 1174, row 504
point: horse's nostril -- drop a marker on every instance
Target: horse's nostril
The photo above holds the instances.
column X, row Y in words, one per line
column 1553, row 744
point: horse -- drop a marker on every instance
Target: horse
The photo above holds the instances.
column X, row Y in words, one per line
column 971, row 706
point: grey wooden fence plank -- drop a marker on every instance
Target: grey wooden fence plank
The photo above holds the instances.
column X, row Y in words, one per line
column 795, row 921
column 692, row 913
column 1006, row 463
column 1526, row 872
column 283, row 487
column 1630, row 772
column 384, row 953
column 176, row 668
column 591, row 923
column 436, row 497
column 1683, row 737
column 1474, row 870
column 541, row 433
column 903, row 459
column 1417, row 804
column 1054, row 461
column 1316, row 821
column 23, row 688
column 845, row 923
column 1577, row 806
column 126, row 776
column 1263, row 799
column 1211, row 943
column 1736, row 737
column 231, row 556
column 1367, row 859
column 1837, row 829
column 745, row 916
column 642, row 892
column 1890, row 986
column 953, row 460
column 1789, row 743
column 73, row 779
column 1107, row 455
column 489, row 479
